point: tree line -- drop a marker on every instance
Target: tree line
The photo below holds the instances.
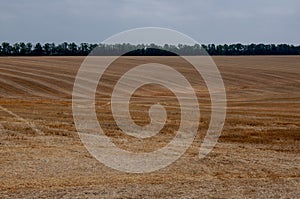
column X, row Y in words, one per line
column 83, row 49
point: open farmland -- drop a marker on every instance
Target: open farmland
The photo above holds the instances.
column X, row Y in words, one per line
column 257, row 155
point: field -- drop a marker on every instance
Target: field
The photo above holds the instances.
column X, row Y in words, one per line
column 257, row 155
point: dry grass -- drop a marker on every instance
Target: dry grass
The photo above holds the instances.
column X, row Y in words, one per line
column 257, row 154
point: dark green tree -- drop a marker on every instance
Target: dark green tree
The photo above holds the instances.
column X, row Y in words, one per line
column 28, row 49
column 6, row 48
column 38, row 50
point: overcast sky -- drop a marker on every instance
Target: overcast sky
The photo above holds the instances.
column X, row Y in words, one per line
column 207, row 21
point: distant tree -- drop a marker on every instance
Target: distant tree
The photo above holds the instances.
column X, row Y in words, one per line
column 84, row 49
column 239, row 49
column 92, row 46
column 53, row 49
column 38, row 50
column 16, row 49
column 6, row 48
column 66, row 49
column 62, row 49
column 28, row 48
column 23, row 48
column 47, row 49
column 211, row 48
column 72, row 48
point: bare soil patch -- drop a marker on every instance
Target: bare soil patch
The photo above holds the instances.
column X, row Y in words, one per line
column 257, row 156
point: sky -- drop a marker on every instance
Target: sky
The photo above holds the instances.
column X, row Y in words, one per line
column 207, row 21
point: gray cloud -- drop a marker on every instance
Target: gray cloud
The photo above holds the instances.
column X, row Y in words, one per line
column 207, row 21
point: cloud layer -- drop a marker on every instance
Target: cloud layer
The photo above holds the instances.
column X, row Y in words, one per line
column 207, row 21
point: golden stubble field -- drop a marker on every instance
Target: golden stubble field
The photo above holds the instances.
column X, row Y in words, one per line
column 257, row 155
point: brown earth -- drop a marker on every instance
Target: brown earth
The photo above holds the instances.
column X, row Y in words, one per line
column 257, row 155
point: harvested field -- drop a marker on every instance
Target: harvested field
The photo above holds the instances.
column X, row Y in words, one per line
column 257, row 155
